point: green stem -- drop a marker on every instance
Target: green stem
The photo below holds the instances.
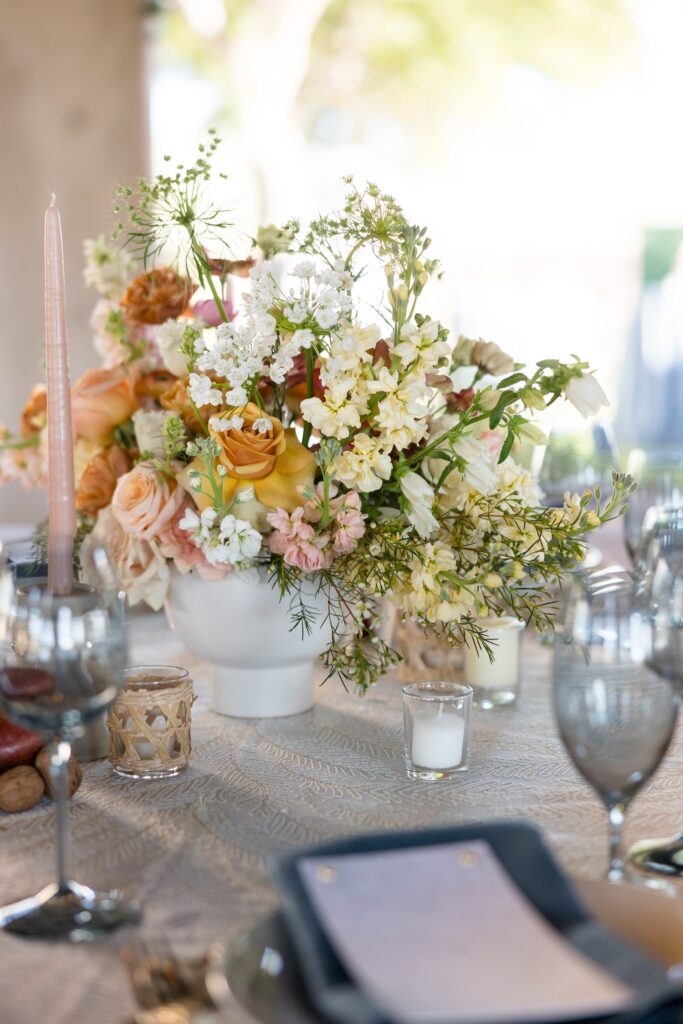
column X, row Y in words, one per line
column 199, row 417
column 325, row 516
column 29, row 442
column 310, row 370
column 217, row 299
column 451, row 434
column 206, row 269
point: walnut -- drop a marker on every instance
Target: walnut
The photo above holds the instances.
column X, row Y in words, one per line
column 42, row 763
column 20, row 788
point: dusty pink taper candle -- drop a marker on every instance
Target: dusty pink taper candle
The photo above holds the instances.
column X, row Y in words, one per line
column 61, row 489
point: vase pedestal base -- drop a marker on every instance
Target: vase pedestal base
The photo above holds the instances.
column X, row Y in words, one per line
column 262, row 692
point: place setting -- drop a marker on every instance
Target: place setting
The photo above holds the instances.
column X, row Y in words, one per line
column 341, row 521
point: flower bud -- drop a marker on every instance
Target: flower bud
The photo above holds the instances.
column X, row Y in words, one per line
column 492, row 580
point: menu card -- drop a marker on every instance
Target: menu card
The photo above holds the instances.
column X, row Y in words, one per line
column 442, row 933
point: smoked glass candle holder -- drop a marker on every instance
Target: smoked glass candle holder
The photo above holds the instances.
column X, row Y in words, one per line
column 496, row 683
column 149, row 723
column 436, row 720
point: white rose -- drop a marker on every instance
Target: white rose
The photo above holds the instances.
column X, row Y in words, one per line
column 149, row 431
column 169, row 338
column 420, row 497
column 586, row 394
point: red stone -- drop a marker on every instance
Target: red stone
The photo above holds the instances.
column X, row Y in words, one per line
column 17, row 745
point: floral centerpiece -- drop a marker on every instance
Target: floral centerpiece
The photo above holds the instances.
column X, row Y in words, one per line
column 345, row 449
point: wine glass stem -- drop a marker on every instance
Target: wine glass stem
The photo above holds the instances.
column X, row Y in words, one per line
column 60, row 752
column 616, row 815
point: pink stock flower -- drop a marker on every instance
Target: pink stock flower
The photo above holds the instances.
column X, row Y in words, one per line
column 294, row 536
column 307, row 557
column 297, row 542
column 350, row 524
column 288, row 527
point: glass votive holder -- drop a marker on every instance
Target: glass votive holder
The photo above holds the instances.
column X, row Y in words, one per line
column 149, row 723
column 436, row 718
column 496, row 683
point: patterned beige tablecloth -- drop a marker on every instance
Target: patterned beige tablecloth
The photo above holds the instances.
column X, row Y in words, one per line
column 192, row 849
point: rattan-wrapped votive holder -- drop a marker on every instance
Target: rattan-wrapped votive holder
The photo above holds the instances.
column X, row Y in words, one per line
column 149, row 723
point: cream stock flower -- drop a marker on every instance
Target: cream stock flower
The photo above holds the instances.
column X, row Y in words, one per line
column 364, row 465
column 333, row 417
column 420, row 498
column 421, row 343
column 432, row 595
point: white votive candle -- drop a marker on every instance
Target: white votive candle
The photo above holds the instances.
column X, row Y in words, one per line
column 437, row 739
column 503, row 671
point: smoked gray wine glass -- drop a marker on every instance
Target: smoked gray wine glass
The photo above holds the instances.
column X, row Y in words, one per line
column 659, row 571
column 659, row 472
column 615, row 697
column 62, row 661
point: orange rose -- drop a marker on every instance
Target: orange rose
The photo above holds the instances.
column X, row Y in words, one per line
column 175, row 399
column 249, row 453
column 260, row 452
column 34, row 416
column 100, row 401
column 153, row 384
column 98, row 480
column 145, row 501
column 157, row 296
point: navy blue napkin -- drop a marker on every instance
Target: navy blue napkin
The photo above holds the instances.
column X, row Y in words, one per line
column 525, row 857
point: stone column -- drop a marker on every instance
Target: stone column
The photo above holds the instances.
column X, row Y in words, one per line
column 73, row 120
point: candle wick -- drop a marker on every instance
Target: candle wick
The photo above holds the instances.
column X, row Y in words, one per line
column 53, row 199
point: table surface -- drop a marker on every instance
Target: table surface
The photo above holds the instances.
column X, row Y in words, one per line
column 192, row 849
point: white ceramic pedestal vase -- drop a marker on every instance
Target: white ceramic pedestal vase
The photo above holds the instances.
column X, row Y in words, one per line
column 261, row 667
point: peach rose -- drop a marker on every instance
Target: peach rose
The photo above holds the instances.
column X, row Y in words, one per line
column 157, row 296
column 175, row 399
column 259, row 452
column 140, row 566
column 100, row 401
column 34, row 416
column 98, row 480
column 144, row 501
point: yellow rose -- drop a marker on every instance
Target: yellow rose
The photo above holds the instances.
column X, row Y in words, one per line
column 259, row 453
column 84, row 453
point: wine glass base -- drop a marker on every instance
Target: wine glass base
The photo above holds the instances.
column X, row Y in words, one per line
column 630, row 877
column 73, row 912
column 663, row 856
